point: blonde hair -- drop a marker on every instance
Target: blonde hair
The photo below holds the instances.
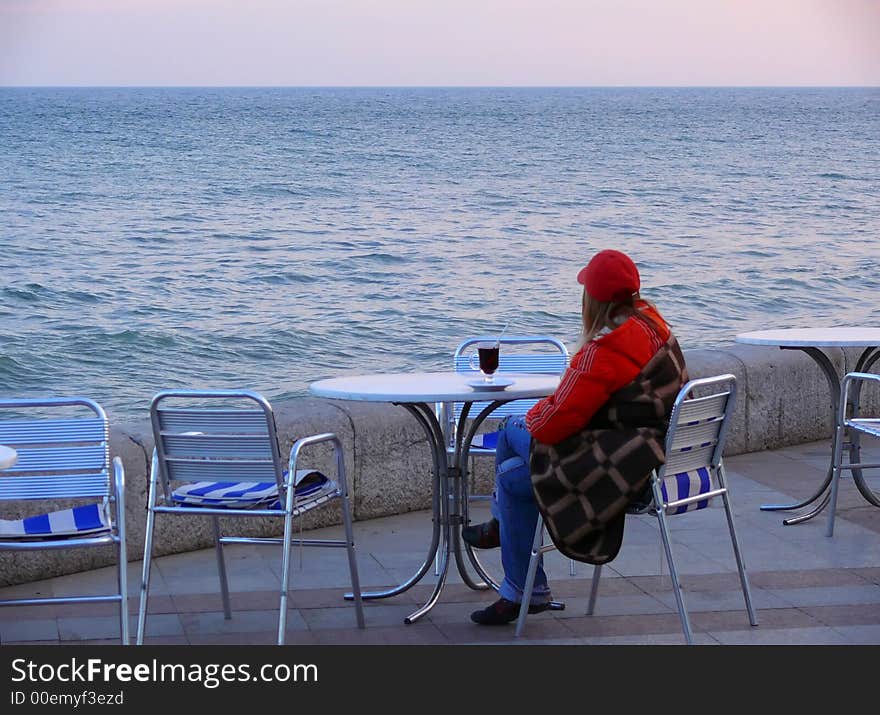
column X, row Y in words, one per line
column 597, row 315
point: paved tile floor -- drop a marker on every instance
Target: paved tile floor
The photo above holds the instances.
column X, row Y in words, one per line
column 808, row 589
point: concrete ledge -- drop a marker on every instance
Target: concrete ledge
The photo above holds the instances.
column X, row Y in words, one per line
column 783, row 400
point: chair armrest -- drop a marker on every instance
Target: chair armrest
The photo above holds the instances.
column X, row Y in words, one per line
column 119, row 494
column 303, row 442
column 854, row 380
column 860, row 376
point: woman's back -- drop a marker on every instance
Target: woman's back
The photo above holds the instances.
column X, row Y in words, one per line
column 604, row 365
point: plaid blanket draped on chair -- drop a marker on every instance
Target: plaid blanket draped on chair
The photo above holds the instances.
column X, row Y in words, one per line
column 584, row 484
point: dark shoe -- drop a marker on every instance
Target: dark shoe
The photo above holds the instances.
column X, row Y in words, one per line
column 503, row 611
column 483, row 536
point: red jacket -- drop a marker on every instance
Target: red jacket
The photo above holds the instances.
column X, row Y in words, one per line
column 596, row 371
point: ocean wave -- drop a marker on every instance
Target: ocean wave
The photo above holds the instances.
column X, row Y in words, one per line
column 30, row 293
column 756, row 253
column 837, row 175
column 301, row 131
column 382, row 258
column 287, row 278
column 300, row 192
column 110, row 340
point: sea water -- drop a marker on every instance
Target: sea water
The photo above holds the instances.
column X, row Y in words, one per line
column 265, row 238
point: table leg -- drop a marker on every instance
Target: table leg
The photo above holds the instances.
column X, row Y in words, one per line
column 834, row 387
column 440, row 502
column 449, row 505
column 462, row 549
column 438, row 505
column 456, row 491
column 452, row 496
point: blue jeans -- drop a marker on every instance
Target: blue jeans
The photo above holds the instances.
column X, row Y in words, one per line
column 514, row 506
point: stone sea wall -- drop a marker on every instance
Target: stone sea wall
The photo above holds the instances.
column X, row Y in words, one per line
column 783, row 399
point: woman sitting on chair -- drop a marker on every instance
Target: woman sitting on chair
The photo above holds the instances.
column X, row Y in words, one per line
column 583, row 454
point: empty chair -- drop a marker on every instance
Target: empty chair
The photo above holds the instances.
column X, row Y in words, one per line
column 217, row 454
column 858, row 424
column 63, row 456
column 544, row 354
column 691, row 477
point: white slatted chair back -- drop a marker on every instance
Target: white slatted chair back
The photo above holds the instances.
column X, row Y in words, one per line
column 63, row 454
column 59, row 457
column 550, row 357
column 236, row 442
column 694, row 443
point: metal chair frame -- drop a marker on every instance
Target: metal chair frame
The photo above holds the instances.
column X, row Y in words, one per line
column 696, row 437
column 199, row 444
column 448, row 413
column 855, row 425
column 63, row 459
column 547, row 362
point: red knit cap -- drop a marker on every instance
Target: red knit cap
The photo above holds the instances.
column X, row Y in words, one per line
column 610, row 276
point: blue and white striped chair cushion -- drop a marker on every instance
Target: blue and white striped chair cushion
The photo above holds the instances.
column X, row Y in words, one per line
column 228, row 494
column 245, row 495
column 81, row 520
column 687, row 484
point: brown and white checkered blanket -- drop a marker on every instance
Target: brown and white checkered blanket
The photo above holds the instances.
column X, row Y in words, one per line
column 584, row 484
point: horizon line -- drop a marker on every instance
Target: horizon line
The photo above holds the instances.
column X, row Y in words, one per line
column 439, row 86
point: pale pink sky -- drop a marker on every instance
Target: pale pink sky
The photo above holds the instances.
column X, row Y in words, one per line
column 439, row 42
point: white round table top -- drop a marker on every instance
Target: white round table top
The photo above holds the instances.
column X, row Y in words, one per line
column 433, row 387
column 814, row 337
column 8, row 457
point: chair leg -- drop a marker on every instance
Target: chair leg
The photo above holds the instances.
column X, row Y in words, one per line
column 285, row 571
column 437, row 558
column 352, row 561
column 531, row 573
column 594, row 589
column 122, row 556
column 145, row 574
column 836, row 467
column 673, row 572
column 123, row 587
column 221, row 570
column 740, row 563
